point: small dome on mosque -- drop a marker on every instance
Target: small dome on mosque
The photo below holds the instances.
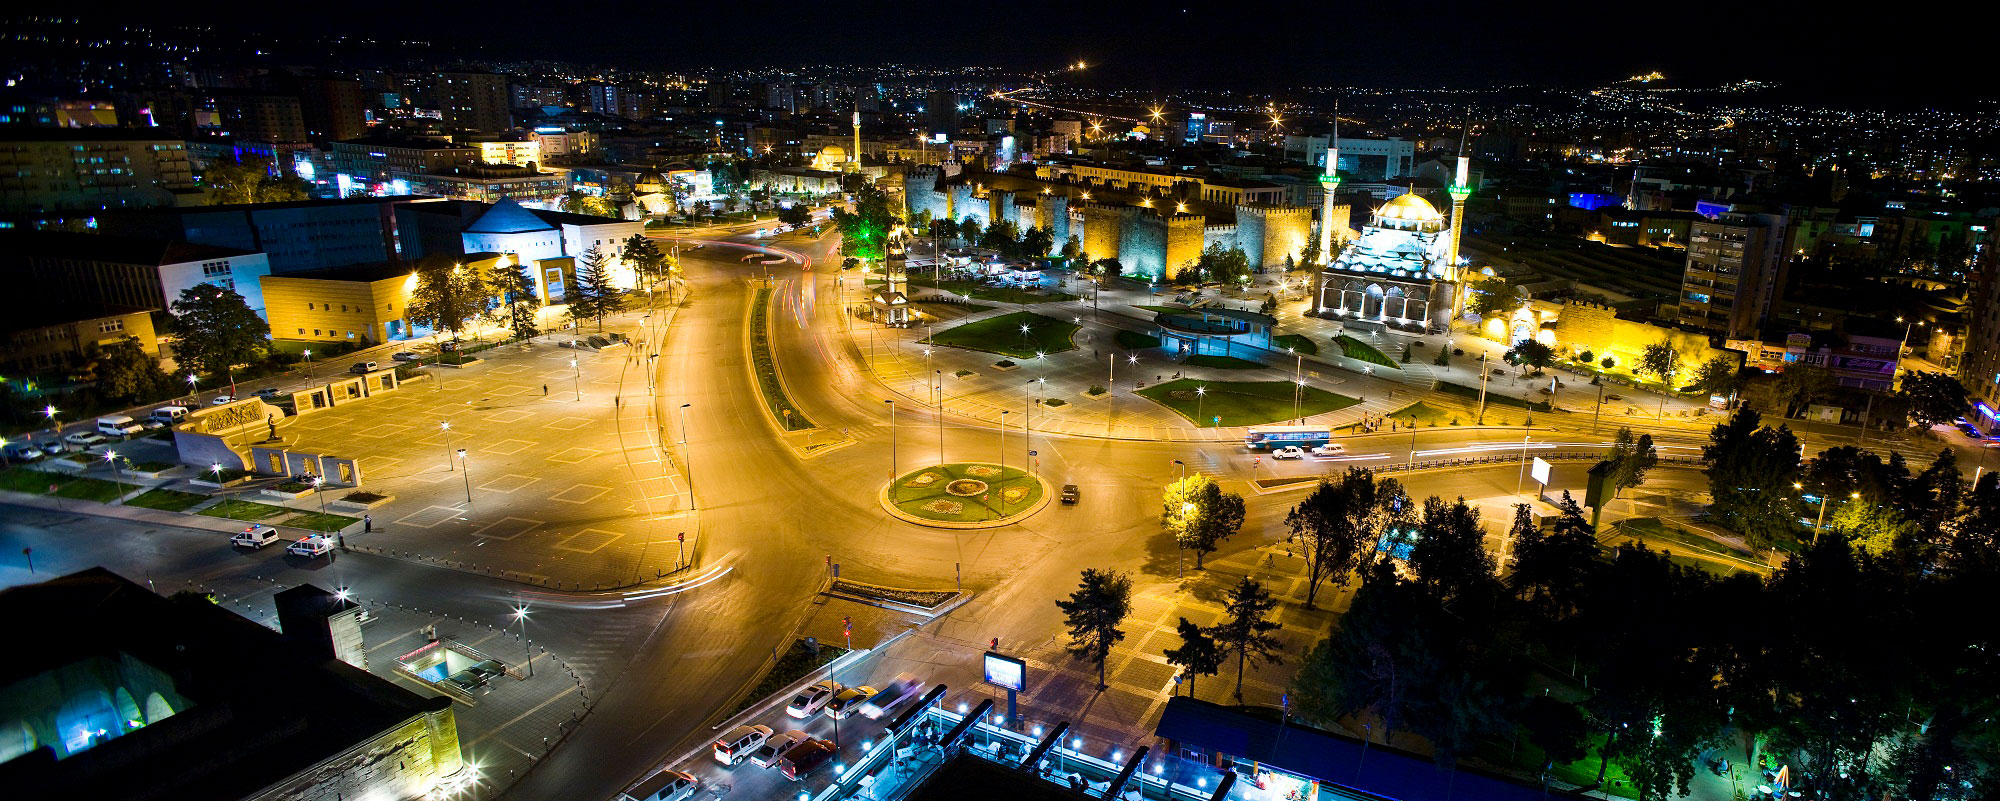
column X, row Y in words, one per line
column 1409, row 207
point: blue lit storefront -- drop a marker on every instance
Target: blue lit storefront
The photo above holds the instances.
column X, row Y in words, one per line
column 1213, row 331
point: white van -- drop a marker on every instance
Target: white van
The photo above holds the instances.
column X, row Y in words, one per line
column 169, row 415
column 119, row 426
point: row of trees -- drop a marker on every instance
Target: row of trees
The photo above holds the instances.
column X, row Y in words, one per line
column 451, row 297
column 1102, row 600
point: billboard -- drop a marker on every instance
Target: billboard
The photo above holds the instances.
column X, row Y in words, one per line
column 1006, row 671
column 1540, row 471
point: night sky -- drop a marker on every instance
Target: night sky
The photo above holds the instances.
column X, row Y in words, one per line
column 1928, row 51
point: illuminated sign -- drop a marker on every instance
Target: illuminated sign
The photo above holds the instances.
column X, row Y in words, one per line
column 1540, row 471
column 1006, row 671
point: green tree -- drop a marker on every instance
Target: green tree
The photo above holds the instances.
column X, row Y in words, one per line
column 230, row 181
column 517, row 292
column 1933, row 398
column 1309, row 256
column 1093, row 612
column 124, row 372
column 1198, row 654
column 969, row 230
column 1229, row 266
column 593, row 282
column 1630, row 460
column 1491, row 296
column 1585, row 357
column 795, row 215
column 1801, row 384
column 1531, row 353
column 1200, row 515
column 1660, row 360
column 579, row 203
column 1443, row 359
column 1552, row 569
column 1718, row 376
column 864, row 231
column 1375, row 658
column 645, row 257
column 1608, row 362
column 1245, row 631
column 1002, row 236
column 1751, row 470
column 1450, row 558
column 1035, row 243
column 1072, row 250
column 1557, row 728
column 448, row 296
column 1325, row 528
column 214, row 330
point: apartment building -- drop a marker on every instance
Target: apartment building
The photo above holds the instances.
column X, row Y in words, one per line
column 1735, row 269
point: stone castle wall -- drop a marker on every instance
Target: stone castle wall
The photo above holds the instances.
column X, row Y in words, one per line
column 1267, row 234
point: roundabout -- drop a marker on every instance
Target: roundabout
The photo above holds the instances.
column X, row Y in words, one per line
column 965, row 495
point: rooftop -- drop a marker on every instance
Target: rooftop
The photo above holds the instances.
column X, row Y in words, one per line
column 370, row 272
column 108, row 248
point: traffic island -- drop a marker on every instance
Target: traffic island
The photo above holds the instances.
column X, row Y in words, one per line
column 965, row 495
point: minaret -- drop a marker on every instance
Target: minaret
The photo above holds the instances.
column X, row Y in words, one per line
column 895, row 273
column 1329, row 185
column 1461, row 189
column 854, row 161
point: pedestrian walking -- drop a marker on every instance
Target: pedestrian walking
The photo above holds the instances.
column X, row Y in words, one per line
column 545, row 390
column 367, row 524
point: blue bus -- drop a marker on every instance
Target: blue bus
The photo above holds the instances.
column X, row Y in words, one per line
column 1264, row 438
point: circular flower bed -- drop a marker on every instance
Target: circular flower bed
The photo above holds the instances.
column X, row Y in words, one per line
column 982, row 470
column 965, row 493
column 966, row 487
column 924, row 480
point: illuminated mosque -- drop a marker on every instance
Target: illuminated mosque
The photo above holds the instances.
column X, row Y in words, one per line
column 1403, row 270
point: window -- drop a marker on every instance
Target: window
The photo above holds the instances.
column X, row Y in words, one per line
column 316, row 332
column 108, row 326
column 302, row 332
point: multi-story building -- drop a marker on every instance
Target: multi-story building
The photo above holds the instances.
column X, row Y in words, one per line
column 49, row 336
column 331, row 108
column 941, row 113
column 127, row 272
column 382, row 161
column 472, row 100
column 488, row 183
column 130, row 694
column 519, row 154
column 259, row 116
column 46, row 172
column 1735, row 269
column 1979, row 370
column 301, row 235
column 1360, row 159
column 556, row 143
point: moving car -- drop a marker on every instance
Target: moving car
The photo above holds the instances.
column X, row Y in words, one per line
column 222, row 399
column 667, row 785
column 804, row 757
column 267, row 393
column 899, row 689
column 311, row 547
column 405, row 356
column 255, row 537
column 848, row 701
column 1330, row 449
column 84, row 439
column 768, row 754
column 812, row 699
column 736, row 745
column 362, row 367
column 1069, row 493
column 119, row 425
column 1289, row 452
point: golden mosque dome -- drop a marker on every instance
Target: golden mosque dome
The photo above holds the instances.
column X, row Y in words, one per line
column 1409, row 207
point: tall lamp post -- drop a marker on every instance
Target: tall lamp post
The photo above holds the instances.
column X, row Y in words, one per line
column 686, row 456
column 1003, row 459
column 467, row 471
column 892, row 438
column 445, row 426
column 1180, row 554
column 576, row 378
column 1524, row 466
column 938, row 376
column 319, row 491
column 527, row 646
column 1599, row 414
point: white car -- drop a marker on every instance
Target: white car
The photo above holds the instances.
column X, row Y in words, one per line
column 222, row 399
column 311, row 547
column 1330, row 449
column 848, row 702
column 1289, row 452
column 812, row 699
column 84, row 439
column 736, row 745
column 255, row 537
column 900, row 689
column 768, row 754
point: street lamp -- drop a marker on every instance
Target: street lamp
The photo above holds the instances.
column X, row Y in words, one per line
column 1524, row 466
column 319, row 490
column 191, row 389
column 687, row 457
column 468, row 476
column 576, row 378
column 1200, row 394
column 527, row 646
column 112, row 457
column 892, row 438
column 445, row 426
column 1003, row 459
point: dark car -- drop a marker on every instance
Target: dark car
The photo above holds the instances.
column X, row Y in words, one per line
column 804, row 758
column 1969, row 430
column 1069, row 493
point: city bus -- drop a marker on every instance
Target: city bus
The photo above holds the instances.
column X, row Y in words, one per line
column 1264, row 438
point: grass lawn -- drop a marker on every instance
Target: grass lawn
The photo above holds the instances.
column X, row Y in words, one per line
column 794, row 665
column 150, row 467
column 1003, row 335
column 234, row 509
column 764, row 366
column 167, row 500
column 927, row 493
column 1492, row 398
column 320, row 522
column 94, row 489
column 21, row 479
column 1222, row 362
column 1361, row 351
column 1297, row 342
column 1133, row 340
column 1528, row 759
column 978, row 291
column 1242, row 403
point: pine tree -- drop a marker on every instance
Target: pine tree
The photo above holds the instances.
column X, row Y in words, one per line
column 517, row 290
column 600, row 297
column 1199, row 655
column 1245, row 631
column 1092, row 613
column 644, row 256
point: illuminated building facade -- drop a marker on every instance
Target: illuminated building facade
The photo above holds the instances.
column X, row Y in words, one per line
column 1735, row 269
column 1396, row 273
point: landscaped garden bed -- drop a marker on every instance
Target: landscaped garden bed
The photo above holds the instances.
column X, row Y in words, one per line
column 1242, row 403
column 965, row 492
column 1133, row 340
column 923, row 599
column 1296, row 342
column 764, row 364
column 1362, row 352
column 233, row 509
column 1221, row 362
column 1020, row 335
column 362, row 499
column 797, row 662
column 167, row 500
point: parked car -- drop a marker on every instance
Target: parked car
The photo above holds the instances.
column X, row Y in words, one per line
column 812, row 699
column 23, row 451
column 1289, row 452
column 84, row 439
column 52, row 447
column 119, row 425
column 311, row 547
column 405, row 356
column 799, row 762
column 1069, row 493
column 169, row 414
column 847, row 701
column 222, row 399
column 151, row 425
column 1330, row 449
column 1968, row 429
column 267, row 393
column 667, row 785
column 768, row 754
column 361, row 367
column 255, row 537
column 739, row 742
column 899, row 689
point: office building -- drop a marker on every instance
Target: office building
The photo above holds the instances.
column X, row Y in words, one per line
column 1362, row 160
column 331, row 108
column 474, row 101
column 63, row 267
column 519, row 154
column 131, row 695
column 488, row 183
column 1735, row 270
column 378, row 162
column 48, row 172
column 535, row 234
column 300, row 235
column 1979, row 371
column 356, row 303
column 259, row 116
column 48, row 336
column 941, row 113
column 556, row 143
